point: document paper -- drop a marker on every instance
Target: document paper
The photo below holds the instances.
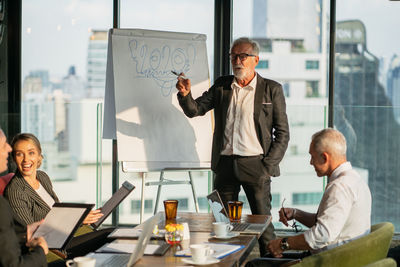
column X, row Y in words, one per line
column 58, row 225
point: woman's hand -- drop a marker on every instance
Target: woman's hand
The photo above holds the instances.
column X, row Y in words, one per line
column 93, row 216
column 31, row 228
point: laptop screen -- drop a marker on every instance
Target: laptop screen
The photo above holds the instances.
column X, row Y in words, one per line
column 217, row 207
column 144, row 239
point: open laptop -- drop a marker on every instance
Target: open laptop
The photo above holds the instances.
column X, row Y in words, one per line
column 103, row 259
column 220, row 215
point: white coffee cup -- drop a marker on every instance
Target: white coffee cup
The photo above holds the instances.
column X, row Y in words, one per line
column 81, row 262
column 222, row 228
column 200, row 252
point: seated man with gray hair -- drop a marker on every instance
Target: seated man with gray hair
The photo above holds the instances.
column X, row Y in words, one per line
column 344, row 212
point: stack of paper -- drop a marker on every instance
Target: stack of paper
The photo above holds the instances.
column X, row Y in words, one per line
column 126, row 246
column 134, row 233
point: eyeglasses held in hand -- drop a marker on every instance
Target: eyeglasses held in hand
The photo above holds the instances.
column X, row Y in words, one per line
column 241, row 56
column 297, row 227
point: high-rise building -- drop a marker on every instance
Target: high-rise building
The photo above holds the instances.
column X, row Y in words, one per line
column 96, row 64
column 393, row 85
column 364, row 114
column 302, row 21
column 259, row 18
column 37, row 82
column 73, row 85
column 291, row 53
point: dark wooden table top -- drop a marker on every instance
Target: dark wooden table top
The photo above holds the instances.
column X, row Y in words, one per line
column 200, row 226
column 202, row 222
column 234, row 259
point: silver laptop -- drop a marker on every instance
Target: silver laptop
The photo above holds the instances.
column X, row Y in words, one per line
column 220, row 215
column 103, row 259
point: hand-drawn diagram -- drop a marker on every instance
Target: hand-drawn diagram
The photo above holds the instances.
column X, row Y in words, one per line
column 157, row 63
column 152, row 131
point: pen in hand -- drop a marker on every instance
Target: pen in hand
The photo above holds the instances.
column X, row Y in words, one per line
column 177, row 74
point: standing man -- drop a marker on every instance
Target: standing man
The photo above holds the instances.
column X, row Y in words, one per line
column 251, row 131
column 344, row 212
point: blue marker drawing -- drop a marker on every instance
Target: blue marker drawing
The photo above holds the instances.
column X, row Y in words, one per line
column 158, row 63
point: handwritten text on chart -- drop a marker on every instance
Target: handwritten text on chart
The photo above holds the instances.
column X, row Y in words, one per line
column 157, row 63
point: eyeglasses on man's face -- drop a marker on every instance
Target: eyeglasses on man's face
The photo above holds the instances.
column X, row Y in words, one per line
column 241, row 56
column 297, row 227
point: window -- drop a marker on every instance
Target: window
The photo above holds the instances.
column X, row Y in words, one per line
column 286, row 89
column 57, row 104
column 135, row 206
column 265, row 44
column 203, row 203
column 312, row 65
column 183, row 203
column 263, row 64
column 312, row 89
column 276, row 200
column 189, row 16
column 306, row 198
column 367, row 102
column 288, row 37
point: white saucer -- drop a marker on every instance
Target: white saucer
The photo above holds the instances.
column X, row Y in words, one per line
column 228, row 236
column 210, row 260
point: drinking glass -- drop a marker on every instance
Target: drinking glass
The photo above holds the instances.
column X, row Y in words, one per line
column 170, row 208
column 235, row 210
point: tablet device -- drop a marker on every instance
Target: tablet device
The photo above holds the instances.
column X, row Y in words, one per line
column 61, row 223
column 114, row 201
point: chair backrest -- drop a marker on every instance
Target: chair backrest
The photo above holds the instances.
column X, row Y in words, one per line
column 387, row 262
column 359, row 252
column 4, row 181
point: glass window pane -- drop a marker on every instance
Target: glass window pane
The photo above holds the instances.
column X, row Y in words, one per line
column 64, row 47
column 367, row 97
column 293, row 36
column 190, row 16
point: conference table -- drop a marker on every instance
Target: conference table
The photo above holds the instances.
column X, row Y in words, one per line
column 200, row 225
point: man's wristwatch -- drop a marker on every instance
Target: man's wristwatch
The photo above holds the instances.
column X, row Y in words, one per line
column 284, row 244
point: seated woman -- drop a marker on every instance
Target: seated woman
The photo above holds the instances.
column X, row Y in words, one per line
column 30, row 192
column 16, row 246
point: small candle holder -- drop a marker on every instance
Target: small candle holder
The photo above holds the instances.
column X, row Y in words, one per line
column 174, row 233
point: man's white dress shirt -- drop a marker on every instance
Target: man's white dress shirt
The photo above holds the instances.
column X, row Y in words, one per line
column 240, row 137
column 344, row 213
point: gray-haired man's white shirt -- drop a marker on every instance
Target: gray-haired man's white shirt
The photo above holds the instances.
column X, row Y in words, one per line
column 240, row 137
column 344, row 213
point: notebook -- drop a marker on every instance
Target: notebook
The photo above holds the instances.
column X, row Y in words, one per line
column 220, row 215
column 114, row 201
column 103, row 259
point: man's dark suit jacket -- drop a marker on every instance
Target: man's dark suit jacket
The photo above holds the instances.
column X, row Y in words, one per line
column 270, row 118
column 10, row 246
column 23, row 199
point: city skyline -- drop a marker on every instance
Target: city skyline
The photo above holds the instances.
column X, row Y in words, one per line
column 295, row 76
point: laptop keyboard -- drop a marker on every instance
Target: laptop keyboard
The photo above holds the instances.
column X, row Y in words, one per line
column 240, row 226
column 117, row 260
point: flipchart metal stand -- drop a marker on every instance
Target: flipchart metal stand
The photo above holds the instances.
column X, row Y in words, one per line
column 164, row 181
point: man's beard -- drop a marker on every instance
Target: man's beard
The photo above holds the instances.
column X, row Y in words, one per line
column 240, row 73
